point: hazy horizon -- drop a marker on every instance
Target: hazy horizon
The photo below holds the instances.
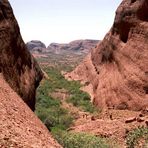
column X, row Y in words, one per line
column 65, row 20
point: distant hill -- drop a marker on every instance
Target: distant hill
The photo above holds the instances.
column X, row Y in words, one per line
column 76, row 46
column 66, row 55
column 36, row 46
column 79, row 46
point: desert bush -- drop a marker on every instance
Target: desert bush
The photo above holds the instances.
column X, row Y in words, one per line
column 49, row 109
column 77, row 97
column 82, row 100
column 61, row 119
column 136, row 134
column 78, row 140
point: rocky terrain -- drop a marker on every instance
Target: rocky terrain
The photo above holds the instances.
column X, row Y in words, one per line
column 63, row 56
column 83, row 46
column 112, row 124
column 114, row 73
column 117, row 69
column 116, row 77
column 17, row 65
column 77, row 46
column 19, row 127
column 19, row 77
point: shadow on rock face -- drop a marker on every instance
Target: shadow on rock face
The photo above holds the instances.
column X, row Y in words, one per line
column 18, row 66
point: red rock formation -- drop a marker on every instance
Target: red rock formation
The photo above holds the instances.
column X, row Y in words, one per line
column 118, row 67
column 16, row 63
column 19, row 127
column 76, row 46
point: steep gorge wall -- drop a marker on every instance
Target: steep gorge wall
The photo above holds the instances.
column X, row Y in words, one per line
column 19, row 126
column 16, row 63
column 117, row 68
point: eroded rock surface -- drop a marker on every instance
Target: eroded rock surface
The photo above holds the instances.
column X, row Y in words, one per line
column 19, row 127
column 117, row 68
column 16, row 63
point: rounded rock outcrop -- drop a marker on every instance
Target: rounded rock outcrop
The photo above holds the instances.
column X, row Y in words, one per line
column 117, row 68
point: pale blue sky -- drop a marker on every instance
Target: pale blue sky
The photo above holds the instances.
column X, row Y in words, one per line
column 64, row 20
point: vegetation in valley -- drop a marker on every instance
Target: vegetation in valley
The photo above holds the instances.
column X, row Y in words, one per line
column 57, row 81
column 58, row 119
column 135, row 135
column 79, row 140
column 65, row 61
column 49, row 109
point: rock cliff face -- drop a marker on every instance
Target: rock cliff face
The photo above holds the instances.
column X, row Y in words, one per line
column 16, row 63
column 19, row 127
column 117, row 68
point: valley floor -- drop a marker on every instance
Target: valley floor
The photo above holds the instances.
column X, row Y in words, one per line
column 111, row 124
column 117, row 128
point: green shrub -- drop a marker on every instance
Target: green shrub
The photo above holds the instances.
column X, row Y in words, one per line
column 54, row 118
column 78, row 140
column 59, row 118
column 135, row 135
column 49, row 109
column 78, row 98
column 82, row 100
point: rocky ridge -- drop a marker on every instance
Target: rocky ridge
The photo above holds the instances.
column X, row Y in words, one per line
column 75, row 46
